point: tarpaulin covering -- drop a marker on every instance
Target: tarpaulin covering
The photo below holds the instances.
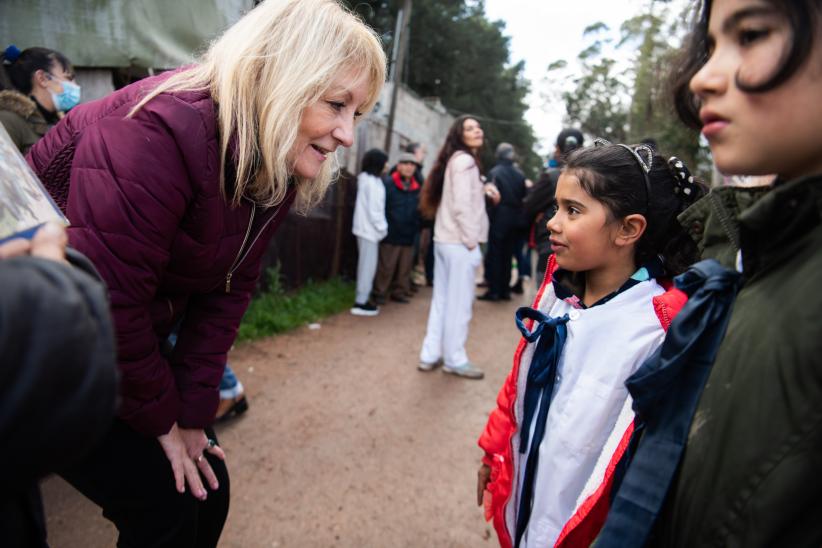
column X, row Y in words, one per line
column 119, row 33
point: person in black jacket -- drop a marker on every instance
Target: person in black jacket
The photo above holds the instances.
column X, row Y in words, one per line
column 402, row 194
column 539, row 204
column 505, row 223
column 58, row 380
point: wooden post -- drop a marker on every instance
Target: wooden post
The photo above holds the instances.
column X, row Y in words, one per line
column 399, row 63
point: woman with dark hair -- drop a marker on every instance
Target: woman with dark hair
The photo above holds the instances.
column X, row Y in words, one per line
column 454, row 193
column 369, row 226
column 41, row 88
column 732, row 440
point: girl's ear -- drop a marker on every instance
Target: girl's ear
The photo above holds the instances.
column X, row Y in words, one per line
column 631, row 229
column 40, row 77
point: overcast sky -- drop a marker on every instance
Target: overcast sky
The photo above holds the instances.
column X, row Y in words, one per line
column 543, row 31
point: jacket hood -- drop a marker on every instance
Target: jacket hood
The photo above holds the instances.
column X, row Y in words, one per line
column 18, row 103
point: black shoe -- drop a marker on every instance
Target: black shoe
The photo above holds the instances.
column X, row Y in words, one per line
column 491, row 297
column 517, row 287
column 367, row 309
column 400, row 299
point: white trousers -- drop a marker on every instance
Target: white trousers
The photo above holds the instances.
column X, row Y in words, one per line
column 366, row 268
column 454, row 270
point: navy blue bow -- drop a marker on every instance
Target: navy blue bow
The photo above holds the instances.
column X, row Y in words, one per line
column 539, row 388
column 666, row 390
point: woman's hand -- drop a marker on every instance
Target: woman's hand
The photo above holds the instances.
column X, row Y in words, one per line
column 184, row 450
column 483, row 476
column 492, row 193
column 198, row 443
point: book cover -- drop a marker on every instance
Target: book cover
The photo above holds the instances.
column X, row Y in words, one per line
column 24, row 203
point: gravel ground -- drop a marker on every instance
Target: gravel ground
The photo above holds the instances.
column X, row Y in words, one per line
column 345, row 442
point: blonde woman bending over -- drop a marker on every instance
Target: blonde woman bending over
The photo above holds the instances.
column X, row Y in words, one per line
column 174, row 187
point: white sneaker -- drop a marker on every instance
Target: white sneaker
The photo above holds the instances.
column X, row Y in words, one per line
column 426, row 366
column 367, row 309
column 467, row 370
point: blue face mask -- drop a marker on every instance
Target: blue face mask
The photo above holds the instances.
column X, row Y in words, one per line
column 68, row 98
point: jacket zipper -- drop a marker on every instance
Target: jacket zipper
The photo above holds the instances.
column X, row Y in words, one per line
column 240, row 255
column 238, row 259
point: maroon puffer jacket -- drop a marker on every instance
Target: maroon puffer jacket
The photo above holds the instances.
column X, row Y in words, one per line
column 145, row 206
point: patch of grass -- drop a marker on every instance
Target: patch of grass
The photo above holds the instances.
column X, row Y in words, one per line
column 276, row 311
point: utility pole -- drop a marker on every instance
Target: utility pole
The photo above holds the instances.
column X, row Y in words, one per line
column 397, row 64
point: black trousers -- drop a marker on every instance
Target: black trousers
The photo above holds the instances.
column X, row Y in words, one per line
column 130, row 478
column 22, row 522
column 502, row 238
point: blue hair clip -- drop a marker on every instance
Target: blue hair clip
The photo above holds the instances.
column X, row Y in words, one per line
column 12, row 53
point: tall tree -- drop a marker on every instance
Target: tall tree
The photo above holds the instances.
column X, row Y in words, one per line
column 595, row 96
column 651, row 113
column 631, row 104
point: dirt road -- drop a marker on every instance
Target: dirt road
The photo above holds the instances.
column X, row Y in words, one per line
column 346, row 443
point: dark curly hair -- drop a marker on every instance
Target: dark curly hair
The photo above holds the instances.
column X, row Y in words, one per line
column 614, row 177
column 431, row 194
column 802, row 16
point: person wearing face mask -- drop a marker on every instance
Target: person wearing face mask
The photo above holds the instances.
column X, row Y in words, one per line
column 174, row 186
column 37, row 89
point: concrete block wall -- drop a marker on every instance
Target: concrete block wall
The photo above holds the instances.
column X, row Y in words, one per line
column 415, row 120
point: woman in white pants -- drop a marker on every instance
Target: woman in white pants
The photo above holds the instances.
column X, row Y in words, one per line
column 455, row 192
column 369, row 226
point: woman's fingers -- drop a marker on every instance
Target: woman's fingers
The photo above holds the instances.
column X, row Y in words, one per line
column 14, row 248
column 179, row 474
column 208, row 473
column 184, row 468
column 192, row 471
column 215, row 450
column 50, row 242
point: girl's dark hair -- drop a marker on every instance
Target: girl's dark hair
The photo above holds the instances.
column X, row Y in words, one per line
column 614, row 177
column 21, row 65
column 802, row 16
column 374, row 161
column 431, row 193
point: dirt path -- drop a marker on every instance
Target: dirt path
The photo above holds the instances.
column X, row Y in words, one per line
column 346, row 443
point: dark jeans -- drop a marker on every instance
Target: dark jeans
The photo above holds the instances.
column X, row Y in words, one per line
column 130, row 478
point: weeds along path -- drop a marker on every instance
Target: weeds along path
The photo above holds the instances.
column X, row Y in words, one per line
column 345, row 442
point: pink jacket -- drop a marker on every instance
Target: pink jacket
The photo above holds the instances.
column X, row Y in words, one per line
column 461, row 217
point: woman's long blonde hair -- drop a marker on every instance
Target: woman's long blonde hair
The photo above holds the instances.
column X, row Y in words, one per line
column 262, row 72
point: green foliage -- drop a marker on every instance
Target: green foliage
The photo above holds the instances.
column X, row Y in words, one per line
column 275, row 310
column 457, row 54
column 631, row 105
